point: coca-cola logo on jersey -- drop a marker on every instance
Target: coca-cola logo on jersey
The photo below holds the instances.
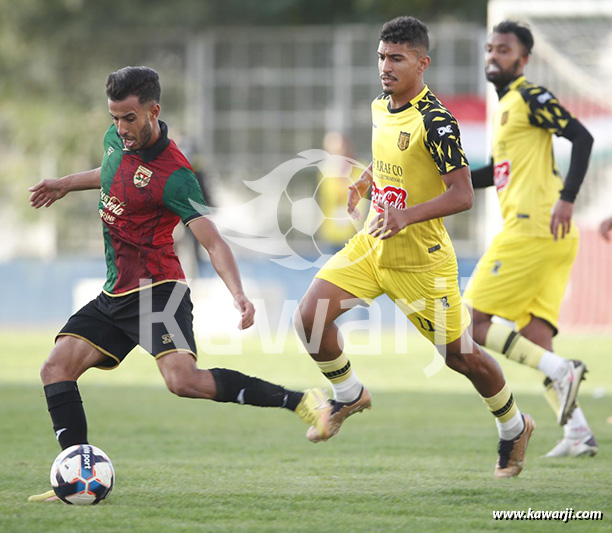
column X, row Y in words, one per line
column 394, row 196
column 501, row 175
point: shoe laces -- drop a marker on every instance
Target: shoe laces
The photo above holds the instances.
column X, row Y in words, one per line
column 336, row 405
column 505, row 448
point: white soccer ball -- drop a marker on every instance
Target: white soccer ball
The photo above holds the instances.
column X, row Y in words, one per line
column 82, row 475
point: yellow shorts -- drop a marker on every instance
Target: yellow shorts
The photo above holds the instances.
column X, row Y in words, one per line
column 431, row 300
column 519, row 277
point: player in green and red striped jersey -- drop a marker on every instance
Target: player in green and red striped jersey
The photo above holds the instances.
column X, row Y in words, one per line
column 146, row 187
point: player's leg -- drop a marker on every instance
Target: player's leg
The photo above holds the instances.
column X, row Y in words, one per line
column 314, row 321
column 480, row 324
column 184, row 379
column 348, row 279
column 514, row 428
column 88, row 339
column 563, row 377
column 505, row 281
column 435, row 307
column 172, row 343
column 68, row 360
column 578, row 439
column 533, row 346
column 524, row 348
column 59, row 373
column 518, row 277
column 504, row 339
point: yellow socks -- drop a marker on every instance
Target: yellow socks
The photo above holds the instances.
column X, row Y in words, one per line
column 507, row 415
column 513, row 345
column 344, row 381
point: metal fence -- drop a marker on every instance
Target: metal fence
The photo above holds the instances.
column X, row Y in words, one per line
column 259, row 96
column 265, row 94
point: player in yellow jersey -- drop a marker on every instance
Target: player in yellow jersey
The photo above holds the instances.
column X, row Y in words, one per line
column 523, row 275
column 418, row 175
column 337, row 228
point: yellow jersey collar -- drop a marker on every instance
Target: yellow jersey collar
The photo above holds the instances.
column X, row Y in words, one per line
column 511, row 86
column 418, row 97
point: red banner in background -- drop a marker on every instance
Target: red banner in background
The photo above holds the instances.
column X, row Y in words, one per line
column 587, row 305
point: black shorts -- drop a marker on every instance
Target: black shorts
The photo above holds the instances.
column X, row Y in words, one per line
column 115, row 325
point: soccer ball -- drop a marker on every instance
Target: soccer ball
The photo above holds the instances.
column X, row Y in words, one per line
column 82, row 475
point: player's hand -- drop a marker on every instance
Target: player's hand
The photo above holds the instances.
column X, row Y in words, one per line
column 47, row 191
column 388, row 222
column 561, row 216
column 354, row 196
column 247, row 311
column 605, row 228
column 357, row 191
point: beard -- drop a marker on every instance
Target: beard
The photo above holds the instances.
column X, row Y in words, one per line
column 503, row 77
column 145, row 135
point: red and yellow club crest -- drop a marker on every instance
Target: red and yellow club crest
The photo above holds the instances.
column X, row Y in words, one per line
column 142, row 177
column 403, row 140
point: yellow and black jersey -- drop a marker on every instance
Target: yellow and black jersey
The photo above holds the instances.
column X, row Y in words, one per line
column 412, row 147
column 525, row 171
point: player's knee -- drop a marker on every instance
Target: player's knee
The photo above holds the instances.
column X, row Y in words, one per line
column 177, row 381
column 52, row 371
column 45, row 372
column 458, row 362
column 463, row 356
column 176, row 385
column 189, row 384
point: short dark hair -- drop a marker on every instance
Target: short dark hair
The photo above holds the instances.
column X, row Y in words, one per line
column 521, row 30
column 406, row 30
column 139, row 81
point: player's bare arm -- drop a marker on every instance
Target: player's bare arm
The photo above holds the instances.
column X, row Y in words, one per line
column 358, row 190
column 224, row 263
column 458, row 197
column 47, row 191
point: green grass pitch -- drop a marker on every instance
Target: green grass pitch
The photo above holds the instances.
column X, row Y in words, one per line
column 421, row 460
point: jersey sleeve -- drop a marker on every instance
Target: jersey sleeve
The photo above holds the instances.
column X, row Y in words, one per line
column 545, row 111
column 443, row 140
column 183, row 195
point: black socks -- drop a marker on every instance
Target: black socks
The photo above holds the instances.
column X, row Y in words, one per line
column 70, row 425
column 239, row 388
column 67, row 413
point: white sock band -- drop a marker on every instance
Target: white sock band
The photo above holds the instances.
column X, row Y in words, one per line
column 512, row 428
column 553, row 365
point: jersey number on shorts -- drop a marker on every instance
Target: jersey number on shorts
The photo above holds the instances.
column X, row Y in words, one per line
column 425, row 324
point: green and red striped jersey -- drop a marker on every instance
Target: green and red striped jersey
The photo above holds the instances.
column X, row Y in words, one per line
column 143, row 196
